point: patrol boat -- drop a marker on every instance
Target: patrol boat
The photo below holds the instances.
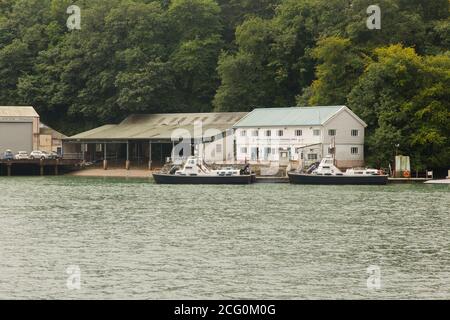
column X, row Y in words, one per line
column 196, row 171
column 328, row 173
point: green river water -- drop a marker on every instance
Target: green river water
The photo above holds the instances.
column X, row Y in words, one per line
column 133, row 239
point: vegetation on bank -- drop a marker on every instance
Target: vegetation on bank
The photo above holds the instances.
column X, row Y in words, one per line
column 148, row 56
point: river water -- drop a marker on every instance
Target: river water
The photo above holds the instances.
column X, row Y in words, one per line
column 132, row 239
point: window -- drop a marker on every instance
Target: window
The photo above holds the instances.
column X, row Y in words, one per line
column 268, row 133
column 298, row 133
column 312, row 156
column 243, row 133
column 254, row 154
column 355, row 133
column 244, row 150
column 355, row 150
column 280, row 133
column 332, row 132
column 218, row 148
column 267, row 150
column 316, row 132
column 255, row 133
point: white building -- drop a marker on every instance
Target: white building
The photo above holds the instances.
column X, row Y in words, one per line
column 301, row 134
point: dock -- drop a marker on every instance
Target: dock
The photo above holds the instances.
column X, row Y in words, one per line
column 37, row 167
column 262, row 179
column 407, row 180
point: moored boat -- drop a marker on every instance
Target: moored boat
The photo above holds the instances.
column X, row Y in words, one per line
column 327, row 173
column 195, row 171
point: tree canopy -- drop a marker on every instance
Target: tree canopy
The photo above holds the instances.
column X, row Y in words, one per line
column 148, row 56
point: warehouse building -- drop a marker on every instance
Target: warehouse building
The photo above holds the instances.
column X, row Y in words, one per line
column 304, row 135
column 151, row 139
column 19, row 129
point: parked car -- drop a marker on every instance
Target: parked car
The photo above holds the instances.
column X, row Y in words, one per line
column 42, row 155
column 55, row 155
column 21, row 155
column 8, row 155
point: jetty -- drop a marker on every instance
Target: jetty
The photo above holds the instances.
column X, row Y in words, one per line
column 38, row 167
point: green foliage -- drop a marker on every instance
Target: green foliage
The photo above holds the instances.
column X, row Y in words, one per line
column 138, row 56
column 405, row 100
column 339, row 69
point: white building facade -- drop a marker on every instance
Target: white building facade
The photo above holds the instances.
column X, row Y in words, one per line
column 301, row 134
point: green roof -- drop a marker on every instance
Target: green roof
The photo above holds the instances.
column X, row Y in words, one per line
column 295, row 116
column 162, row 126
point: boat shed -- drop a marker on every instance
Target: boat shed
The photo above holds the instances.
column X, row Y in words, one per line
column 19, row 129
column 150, row 139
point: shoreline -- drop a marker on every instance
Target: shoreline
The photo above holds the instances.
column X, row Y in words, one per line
column 112, row 173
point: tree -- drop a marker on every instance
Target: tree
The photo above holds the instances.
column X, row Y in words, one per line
column 339, row 69
column 404, row 99
column 247, row 77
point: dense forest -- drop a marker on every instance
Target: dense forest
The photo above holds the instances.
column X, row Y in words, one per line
column 148, row 56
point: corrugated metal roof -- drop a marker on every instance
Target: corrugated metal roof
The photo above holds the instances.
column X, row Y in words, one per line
column 162, row 126
column 295, row 116
column 12, row 111
column 44, row 129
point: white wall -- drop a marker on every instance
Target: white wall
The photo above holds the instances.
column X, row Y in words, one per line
column 288, row 141
column 343, row 123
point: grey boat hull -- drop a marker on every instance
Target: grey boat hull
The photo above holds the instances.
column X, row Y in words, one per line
column 179, row 179
column 311, row 179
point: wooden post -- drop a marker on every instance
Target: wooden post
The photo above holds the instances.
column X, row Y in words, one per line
column 41, row 164
column 105, row 160
column 57, row 167
column 8, row 169
column 83, row 146
column 150, row 155
column 127, row 163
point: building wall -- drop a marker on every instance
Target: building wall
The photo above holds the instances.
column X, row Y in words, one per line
column 221, row 150
column 19, row 134
column 308, row 143
column 45, row 143
column 289, row 142
column 343, row 124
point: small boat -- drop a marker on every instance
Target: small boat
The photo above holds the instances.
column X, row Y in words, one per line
column 327, row 173
column 195, row 171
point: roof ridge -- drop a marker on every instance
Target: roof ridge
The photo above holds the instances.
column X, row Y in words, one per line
column 299, row 107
